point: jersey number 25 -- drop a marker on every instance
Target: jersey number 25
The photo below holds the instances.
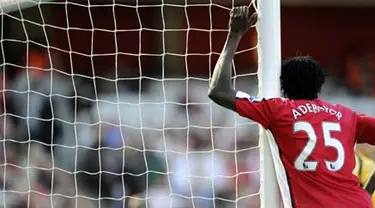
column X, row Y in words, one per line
column 301, row 163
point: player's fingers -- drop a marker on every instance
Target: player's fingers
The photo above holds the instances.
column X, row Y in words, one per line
column 238, row 11
column 233, row 12
column 253, row 19
column 246, row 12
column 244, row 15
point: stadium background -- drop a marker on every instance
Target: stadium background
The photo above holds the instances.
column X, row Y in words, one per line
column 341, row 37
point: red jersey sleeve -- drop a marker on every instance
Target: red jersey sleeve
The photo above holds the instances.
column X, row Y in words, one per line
column 259, row 110
column 365, row 129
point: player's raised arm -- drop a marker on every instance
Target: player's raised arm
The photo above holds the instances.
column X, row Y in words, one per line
column 221, row 90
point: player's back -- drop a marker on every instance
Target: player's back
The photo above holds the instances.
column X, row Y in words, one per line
column 316, row 146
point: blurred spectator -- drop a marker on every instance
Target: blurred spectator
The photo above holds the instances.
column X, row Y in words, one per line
column 32, row 171
column 360, row 73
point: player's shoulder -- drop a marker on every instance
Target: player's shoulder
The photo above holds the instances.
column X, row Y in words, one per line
column 251, row 98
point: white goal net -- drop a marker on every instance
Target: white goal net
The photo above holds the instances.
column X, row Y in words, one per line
column 104, row 104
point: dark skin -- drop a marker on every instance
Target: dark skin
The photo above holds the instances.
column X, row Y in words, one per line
column 221, row 89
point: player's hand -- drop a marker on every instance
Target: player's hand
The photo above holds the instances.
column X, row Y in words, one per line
column 240, row 22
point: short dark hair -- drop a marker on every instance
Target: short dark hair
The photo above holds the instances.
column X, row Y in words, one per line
column 301, row 78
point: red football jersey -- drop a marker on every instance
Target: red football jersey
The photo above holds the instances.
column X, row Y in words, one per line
column 315, row 142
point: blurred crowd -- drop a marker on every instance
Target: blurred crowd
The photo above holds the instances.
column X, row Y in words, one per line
column 75, row 141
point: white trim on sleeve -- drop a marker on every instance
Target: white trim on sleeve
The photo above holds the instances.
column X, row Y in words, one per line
column 242, row 95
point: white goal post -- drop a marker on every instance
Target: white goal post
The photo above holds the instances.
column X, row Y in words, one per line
column 269, row 53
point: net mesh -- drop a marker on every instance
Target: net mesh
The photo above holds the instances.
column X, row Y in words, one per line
column 104, row 104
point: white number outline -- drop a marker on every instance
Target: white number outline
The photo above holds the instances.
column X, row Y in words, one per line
column 301, row 163
column 329, row 141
